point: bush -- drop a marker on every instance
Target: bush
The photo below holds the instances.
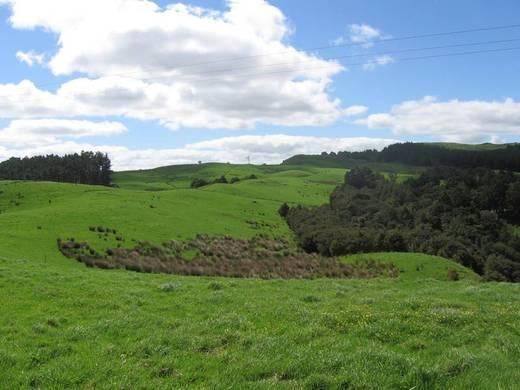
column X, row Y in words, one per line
column 283, row 210
column 311, row 299
column 197, row 183
column 453, row 275
column 221, row 180
column 215, row 286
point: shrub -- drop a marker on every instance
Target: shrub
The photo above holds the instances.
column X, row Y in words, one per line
column 283, row 210
column 221, row 180
column 197, row 183
column 453, row 275
column 311, row 299
column 215, row 286
column 259, row 258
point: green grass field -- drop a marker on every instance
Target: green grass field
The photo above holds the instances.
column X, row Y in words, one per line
column 67, row 326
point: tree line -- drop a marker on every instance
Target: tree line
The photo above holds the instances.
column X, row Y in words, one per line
column 461, row 214
column 422, row 154
column 84, row 168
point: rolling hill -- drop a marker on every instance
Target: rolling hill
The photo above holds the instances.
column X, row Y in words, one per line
column 66, row 325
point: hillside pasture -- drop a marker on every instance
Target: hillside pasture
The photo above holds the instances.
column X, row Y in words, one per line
column 64, row 325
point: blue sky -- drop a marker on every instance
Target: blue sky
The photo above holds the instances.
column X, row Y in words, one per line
column 471, row 98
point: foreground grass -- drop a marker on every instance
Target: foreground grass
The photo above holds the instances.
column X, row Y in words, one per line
column 67, row 326
column 79, row 327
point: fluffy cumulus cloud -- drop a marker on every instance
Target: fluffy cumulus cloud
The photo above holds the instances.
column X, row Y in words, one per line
column 135, row 59
column 171, row 64
column 455, row 120
column 44, row 132
column 259, row 149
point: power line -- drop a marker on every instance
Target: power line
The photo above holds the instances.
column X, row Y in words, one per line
column 406, row 59
column 382, row 40
column 319, row 48
column 371, row 54
column 400, row 51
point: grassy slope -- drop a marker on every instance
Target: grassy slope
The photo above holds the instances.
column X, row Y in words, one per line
column 470, row 147
column 66, row 325
column 415, row 266
column 318, row 161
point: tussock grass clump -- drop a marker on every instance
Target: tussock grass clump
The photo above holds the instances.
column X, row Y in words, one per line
column 168, row 287
column 453, row 275
column 225, row 256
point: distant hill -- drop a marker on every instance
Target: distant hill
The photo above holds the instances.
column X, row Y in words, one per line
column 473, row 147
column 398, row 156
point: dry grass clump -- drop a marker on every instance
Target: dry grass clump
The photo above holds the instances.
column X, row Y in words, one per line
column 225, row 256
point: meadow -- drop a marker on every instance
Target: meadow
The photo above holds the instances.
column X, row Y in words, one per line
column 64, row 325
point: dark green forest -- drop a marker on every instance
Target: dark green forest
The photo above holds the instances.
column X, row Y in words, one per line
column 461, row 214
column 84, row 168
column 420, row 154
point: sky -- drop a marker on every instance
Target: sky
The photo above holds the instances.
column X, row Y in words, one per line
column 158, row 82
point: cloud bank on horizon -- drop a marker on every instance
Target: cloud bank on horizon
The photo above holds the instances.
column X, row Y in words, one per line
column 132, row 59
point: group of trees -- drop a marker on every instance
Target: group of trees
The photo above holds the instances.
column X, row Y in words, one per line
column 84, row 168
column 461, row 214
column 421, row 154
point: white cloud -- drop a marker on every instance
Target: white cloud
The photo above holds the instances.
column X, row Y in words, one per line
column 364, row 34
column 68, row 128
column 25, row 100
column 378, row 61
column 360, row 34
column 140, row 55
column 355, row 110
column 30, row 58
column 454, row 120
column 339, row 41
column 177, row 105
column 261, row 149
column 44, row 132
